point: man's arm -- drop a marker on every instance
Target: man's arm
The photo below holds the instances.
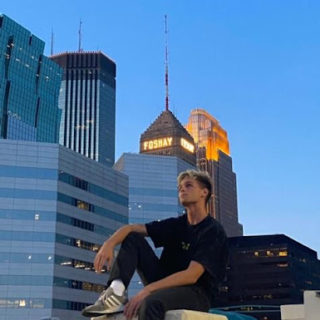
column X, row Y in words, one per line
column 105, row 254
column 184, row 277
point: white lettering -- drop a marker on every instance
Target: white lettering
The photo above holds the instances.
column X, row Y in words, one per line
column 157, row 143
column 187, row 145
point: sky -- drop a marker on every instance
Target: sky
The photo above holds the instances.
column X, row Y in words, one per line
column 252, row 64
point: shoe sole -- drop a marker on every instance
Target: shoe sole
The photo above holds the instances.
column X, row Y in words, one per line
column 97, row 314
column 114, row 316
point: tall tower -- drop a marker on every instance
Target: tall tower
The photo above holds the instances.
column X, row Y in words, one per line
column 213, row 156
column 87, row 100
column 29, row 86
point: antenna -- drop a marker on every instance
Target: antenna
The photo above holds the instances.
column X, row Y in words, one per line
column 52, row 41
column 80, row 36
column 166, row 63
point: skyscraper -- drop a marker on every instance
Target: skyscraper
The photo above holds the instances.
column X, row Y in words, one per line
column 87, row 100
column 167, row 136
column 29, row 86
column 213, row 156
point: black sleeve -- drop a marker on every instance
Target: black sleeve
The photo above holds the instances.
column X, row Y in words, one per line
column 212, row 252
column 161, row 231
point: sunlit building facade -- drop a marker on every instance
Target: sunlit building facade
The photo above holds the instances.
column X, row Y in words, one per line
column 56, row 208
column 29, row 86
column 87, row 100
column 213, row 156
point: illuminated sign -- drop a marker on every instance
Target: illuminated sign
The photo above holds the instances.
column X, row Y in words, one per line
column 187, row 145
column 157, row 143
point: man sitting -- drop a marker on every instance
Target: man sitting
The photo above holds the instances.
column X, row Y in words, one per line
column 192, row 263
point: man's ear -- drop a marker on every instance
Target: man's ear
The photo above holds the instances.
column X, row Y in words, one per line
column 205, row 192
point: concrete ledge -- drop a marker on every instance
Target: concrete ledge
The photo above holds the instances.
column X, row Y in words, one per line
column 173, row 315
column 292, row 312
column 192, row 315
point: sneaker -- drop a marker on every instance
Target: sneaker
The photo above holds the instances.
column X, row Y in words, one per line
column 107, row 303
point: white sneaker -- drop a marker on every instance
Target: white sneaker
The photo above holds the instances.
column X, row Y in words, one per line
column 107, row 303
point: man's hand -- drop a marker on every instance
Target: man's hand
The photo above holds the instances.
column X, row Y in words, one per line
column 132, row 307
column 105, row 254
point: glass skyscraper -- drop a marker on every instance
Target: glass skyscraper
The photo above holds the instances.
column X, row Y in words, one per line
column 213, row 156
column 56, row 208
column 29, row 86
column 87, row 100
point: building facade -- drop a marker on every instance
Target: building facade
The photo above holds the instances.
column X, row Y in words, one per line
column 213, row 156
column 29, row 86
column 265, row 272
column 166, row 136
column 87, row 101
column 153, row 193
column 56, row 208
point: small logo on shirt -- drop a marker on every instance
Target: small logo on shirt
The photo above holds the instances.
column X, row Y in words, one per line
column 185, row 246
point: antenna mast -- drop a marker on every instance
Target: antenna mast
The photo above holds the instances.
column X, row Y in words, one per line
column 52, row 40
column 166, row 63
column 80, row 36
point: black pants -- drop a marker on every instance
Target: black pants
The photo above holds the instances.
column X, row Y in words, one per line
column 136, row 254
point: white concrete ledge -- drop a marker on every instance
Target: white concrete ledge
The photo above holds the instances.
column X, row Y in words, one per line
column 192, row 315
column 292, row 312
column 173, row 315
column 310, row 310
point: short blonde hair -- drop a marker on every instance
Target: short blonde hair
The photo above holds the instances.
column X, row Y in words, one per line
column 202, row 177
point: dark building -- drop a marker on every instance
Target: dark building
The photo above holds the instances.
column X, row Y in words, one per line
column 87, row 100
column 213, row 156
column 167, row 137
column 29, row 86
column 267, row 271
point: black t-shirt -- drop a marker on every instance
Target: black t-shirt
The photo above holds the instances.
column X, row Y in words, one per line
column 205, row 242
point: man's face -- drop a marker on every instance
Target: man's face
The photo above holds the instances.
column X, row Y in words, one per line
column 191, row 192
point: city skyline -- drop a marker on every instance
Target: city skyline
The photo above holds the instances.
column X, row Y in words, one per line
column 259, row 79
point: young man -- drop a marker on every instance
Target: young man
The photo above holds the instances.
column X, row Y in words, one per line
column 191, row 265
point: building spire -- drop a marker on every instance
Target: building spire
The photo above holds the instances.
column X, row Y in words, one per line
column 80, row 36
column 166, row 63
column 52, row 42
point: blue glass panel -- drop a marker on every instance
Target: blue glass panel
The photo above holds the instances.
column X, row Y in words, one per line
column 28, row 172
column 154, row 192
column 92, row 188
column 28, row 194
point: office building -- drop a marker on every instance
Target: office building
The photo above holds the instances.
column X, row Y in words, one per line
column 265, row 272
column 56, row 208
column 87, row 100
column 29, row 86
column 213, row 156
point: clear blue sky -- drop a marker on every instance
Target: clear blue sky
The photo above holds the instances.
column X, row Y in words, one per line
column 254, row 65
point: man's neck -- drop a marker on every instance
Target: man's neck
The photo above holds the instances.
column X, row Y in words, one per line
column 196, row 213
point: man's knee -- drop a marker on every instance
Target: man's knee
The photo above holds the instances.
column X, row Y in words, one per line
column 134, row 237
column 152, row 308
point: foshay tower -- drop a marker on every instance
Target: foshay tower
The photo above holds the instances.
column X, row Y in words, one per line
column 166, row 135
